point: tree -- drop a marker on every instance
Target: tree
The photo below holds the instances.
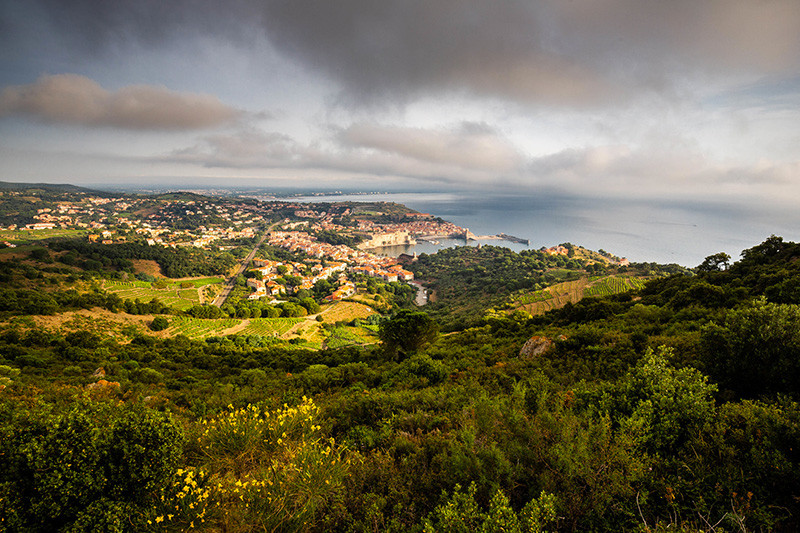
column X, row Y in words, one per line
column 159, row 323
column 756, row 350
column 408, row 332
column 715, row 263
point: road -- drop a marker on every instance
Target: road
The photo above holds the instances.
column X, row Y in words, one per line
column 422, row 293
column 226, row 291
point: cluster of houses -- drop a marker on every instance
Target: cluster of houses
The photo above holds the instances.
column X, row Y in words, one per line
column 423, row 224
column 265, row 283
column 342, row 258
column 386, row 268
column 301, row 241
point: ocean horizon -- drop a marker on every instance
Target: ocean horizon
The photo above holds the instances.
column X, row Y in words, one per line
column 642, row 231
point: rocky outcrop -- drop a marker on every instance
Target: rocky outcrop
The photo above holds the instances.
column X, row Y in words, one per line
column 535, row 346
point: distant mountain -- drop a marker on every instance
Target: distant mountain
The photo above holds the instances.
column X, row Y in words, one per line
column 50, row 187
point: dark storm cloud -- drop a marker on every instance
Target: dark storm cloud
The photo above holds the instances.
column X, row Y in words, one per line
column 92, row 26
column 576, row 52
column 402, row 49
column 73, row 99
column 549, row 51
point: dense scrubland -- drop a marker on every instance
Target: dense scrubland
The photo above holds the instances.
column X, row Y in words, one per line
column 666, row 401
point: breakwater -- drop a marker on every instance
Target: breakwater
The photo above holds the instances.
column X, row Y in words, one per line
column 499, row 237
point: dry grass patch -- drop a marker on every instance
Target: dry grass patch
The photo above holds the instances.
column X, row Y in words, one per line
column 120, row 326
column 346, row 311
column 147, row 266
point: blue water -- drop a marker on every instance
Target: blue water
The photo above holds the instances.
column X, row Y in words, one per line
column 643, row 231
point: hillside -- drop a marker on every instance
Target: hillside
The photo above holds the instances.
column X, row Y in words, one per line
column 538, row 392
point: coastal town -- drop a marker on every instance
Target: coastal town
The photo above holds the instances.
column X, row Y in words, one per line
column 330, row 241
column 336, row 242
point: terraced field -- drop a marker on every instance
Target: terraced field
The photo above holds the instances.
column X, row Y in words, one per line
column 533, row 297
column 613, row 285
column 557, row 296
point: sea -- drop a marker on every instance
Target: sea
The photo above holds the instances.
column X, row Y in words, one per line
column 642, row 231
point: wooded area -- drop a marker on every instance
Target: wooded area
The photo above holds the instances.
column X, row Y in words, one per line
column 669, row 408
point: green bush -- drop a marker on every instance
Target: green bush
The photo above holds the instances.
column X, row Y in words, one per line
column 86, row 467
column 159, row 323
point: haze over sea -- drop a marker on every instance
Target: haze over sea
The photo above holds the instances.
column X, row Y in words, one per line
column 642, row 231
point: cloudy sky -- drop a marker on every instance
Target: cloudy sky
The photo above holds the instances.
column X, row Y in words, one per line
column 634, row 99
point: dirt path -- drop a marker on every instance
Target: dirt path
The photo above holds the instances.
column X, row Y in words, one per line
column 237, row 328
column 299, row 325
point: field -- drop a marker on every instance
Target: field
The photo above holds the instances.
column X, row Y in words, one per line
column 24, row 236
column 558, row 295
column 200, row 328
column 173, row 295
column 119, row 326
column 553, row 297
column 285, row 328
column 346, row 311
column 533, row 297
column 269, row 326
column 346, row 336
column 613, row 285
column 147, row 266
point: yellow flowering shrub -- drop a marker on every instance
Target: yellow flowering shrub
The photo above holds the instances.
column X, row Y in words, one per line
column 185, row 502
column 266, row 470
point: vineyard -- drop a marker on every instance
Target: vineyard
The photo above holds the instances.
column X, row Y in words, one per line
column 346, row 311
column 613, row 285
column 270, row 326
column 24, row 236
column 346, row 336
column 200, row 328
column 533, row 297
column 557, row 296
column 172, row 295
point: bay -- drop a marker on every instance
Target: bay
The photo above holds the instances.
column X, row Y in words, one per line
column 641, row 230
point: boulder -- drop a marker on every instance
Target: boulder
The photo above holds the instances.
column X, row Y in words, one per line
column 536, row 346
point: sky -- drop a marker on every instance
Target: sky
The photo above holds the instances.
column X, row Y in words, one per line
column 679, row 100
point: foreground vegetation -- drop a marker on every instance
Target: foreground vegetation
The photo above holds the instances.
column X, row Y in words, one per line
column 669, row 408
column 537, row 393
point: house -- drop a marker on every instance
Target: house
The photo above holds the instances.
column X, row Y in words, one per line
column 40, row 226
column 273, row 288
column 255, row 283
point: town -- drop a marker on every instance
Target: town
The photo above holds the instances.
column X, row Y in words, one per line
column 331, row 241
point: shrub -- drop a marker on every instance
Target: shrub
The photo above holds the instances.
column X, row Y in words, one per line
column 159, row 323
column 270, row 470
column 85, row 468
